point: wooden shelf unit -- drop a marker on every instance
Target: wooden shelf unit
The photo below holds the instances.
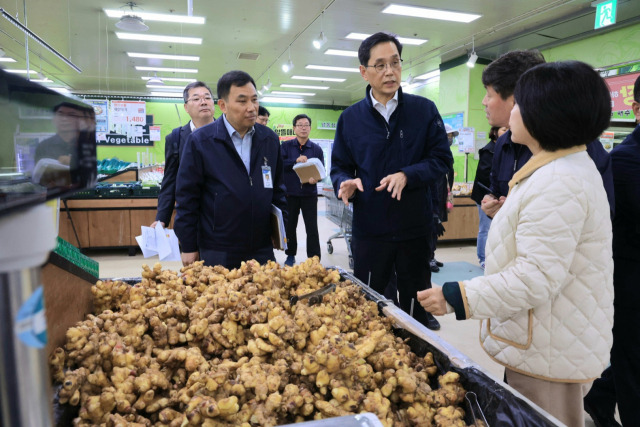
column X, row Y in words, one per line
column 463, row 220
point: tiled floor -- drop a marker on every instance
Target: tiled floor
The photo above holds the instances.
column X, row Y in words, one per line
column 461, row 334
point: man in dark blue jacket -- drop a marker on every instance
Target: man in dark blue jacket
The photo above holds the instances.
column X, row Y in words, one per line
column 301, row 197
column 230, row 174
column 198, row 103
column 620, row 383
column 388, row 149
column 499, row 79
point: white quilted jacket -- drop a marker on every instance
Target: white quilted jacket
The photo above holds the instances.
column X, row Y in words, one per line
column 547, row 294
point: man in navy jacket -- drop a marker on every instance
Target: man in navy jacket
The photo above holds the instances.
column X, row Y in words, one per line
column 388, row 149
column 301, row 197
column 198, row 103
column 230, row 174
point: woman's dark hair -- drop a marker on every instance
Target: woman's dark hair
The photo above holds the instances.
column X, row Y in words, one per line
column 364, row 51
column 503, row 73
column 232, row 78
column 301, row 116
column 493, row 133
column 563, row 104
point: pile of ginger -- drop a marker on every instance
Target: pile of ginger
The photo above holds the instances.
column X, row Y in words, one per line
column 215, row 347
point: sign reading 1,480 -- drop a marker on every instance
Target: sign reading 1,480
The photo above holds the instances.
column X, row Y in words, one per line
column 136, row 119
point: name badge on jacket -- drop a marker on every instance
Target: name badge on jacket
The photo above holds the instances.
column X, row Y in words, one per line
column 266, row 177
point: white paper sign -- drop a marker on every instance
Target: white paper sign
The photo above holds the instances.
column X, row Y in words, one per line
column 466, row 140
column 129, row 112
column 154, row 133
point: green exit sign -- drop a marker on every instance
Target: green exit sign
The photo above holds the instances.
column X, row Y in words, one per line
column 606, row 13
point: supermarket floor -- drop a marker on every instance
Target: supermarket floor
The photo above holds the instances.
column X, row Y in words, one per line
column 462, row 335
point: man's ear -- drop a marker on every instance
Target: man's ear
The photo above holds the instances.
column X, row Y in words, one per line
column 222, row 105
column 363, row 72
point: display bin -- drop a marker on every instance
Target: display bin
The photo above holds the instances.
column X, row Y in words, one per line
column 499, row 403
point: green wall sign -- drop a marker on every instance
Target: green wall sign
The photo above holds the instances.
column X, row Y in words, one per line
column 606, row 13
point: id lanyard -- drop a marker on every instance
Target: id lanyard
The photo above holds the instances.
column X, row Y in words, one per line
column 267, row 178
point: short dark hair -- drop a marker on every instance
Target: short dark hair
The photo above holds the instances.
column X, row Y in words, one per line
column 636, row 90
column 300, row 116
column 232, row 78
column 185, row 93
column 493, row 133
column 563, row 104
column 364, row 51
column 263, row 111
column 503, row 73
column 68, row 105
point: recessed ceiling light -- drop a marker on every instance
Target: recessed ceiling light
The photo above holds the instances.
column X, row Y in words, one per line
column 167, row 70
column 339, row 52
column 423, row 12
column 158, row 38
column 171, row 79
column 277, row 92
column 304, row 87
column 282, row 100
column 7, row 59
column 403, row 40
column 428, row 75
column 329, row 68
column 319, row 79
column 184, row 19
column 21, row 71
column 167, row 94
column 160, row 56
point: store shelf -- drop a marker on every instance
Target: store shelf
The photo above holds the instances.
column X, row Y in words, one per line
column 463, row 220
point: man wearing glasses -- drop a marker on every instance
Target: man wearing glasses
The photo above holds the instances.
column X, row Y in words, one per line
column 388, row 149
column 301, row 197
column 263, row 116
column 198, row 103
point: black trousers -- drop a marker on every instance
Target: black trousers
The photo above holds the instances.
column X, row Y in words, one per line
column 309, row 208
column 232, row 260
column 375, row 260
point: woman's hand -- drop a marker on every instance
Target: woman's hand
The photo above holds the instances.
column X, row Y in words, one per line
column 433, row 301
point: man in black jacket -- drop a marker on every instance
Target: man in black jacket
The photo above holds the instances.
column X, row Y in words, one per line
column 198, row 103
column 388, row 149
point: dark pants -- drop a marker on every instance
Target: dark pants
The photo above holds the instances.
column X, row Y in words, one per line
column 232, row 260
column 309, row 208
column 374, row 262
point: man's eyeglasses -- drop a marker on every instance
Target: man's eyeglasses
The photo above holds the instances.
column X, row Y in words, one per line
column 197, row 99
column 394, row 65
column 303, row 126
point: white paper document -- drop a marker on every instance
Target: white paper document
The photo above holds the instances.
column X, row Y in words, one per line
column 159, row 241
column 312, row 168
column 278, row 234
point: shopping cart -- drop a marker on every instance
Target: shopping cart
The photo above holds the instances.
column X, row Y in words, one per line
column 341, row 215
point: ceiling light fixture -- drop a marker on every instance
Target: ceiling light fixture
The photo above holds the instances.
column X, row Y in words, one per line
column 409, row 80
column 160, row 88
column 428, row 75
column 161, row 56
column 288, row 66
column 268, row 85
column 282, row 100
column 159, row 38
column 183, row 19
column 424, row 12
column 304, row 86
column 130, row 21
column 322, row 39
column 21, row 71
column 319, row 79
column 171, row 79
column 7, row 59
column 280, row 92
column 338, row 52
column 167, row 94
column 473, row 57
column 403, row 40
column 2, row 52
column 330, row 68
column 168, row 70
column 155, row 80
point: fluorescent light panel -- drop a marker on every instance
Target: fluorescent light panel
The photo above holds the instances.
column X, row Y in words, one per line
column 21, row 71
column 161, row 56
column 339, row 52
column 319, row 79
column 184, row 19
column 304, row 86
column 158, row 38
column 167, row 94
column 45, row 80
column 424, row 12
column 171, row 79
column 282, row 100
column 330, row 68
column 403, row 40
column 428, row 75
column 166, row 88
column 278, row 92
column 167, row 70
column 7, row 59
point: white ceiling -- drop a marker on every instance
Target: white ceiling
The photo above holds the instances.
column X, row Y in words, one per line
column 81, row 31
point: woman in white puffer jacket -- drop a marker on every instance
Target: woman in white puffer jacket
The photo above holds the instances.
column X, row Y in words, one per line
column 546, row 300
